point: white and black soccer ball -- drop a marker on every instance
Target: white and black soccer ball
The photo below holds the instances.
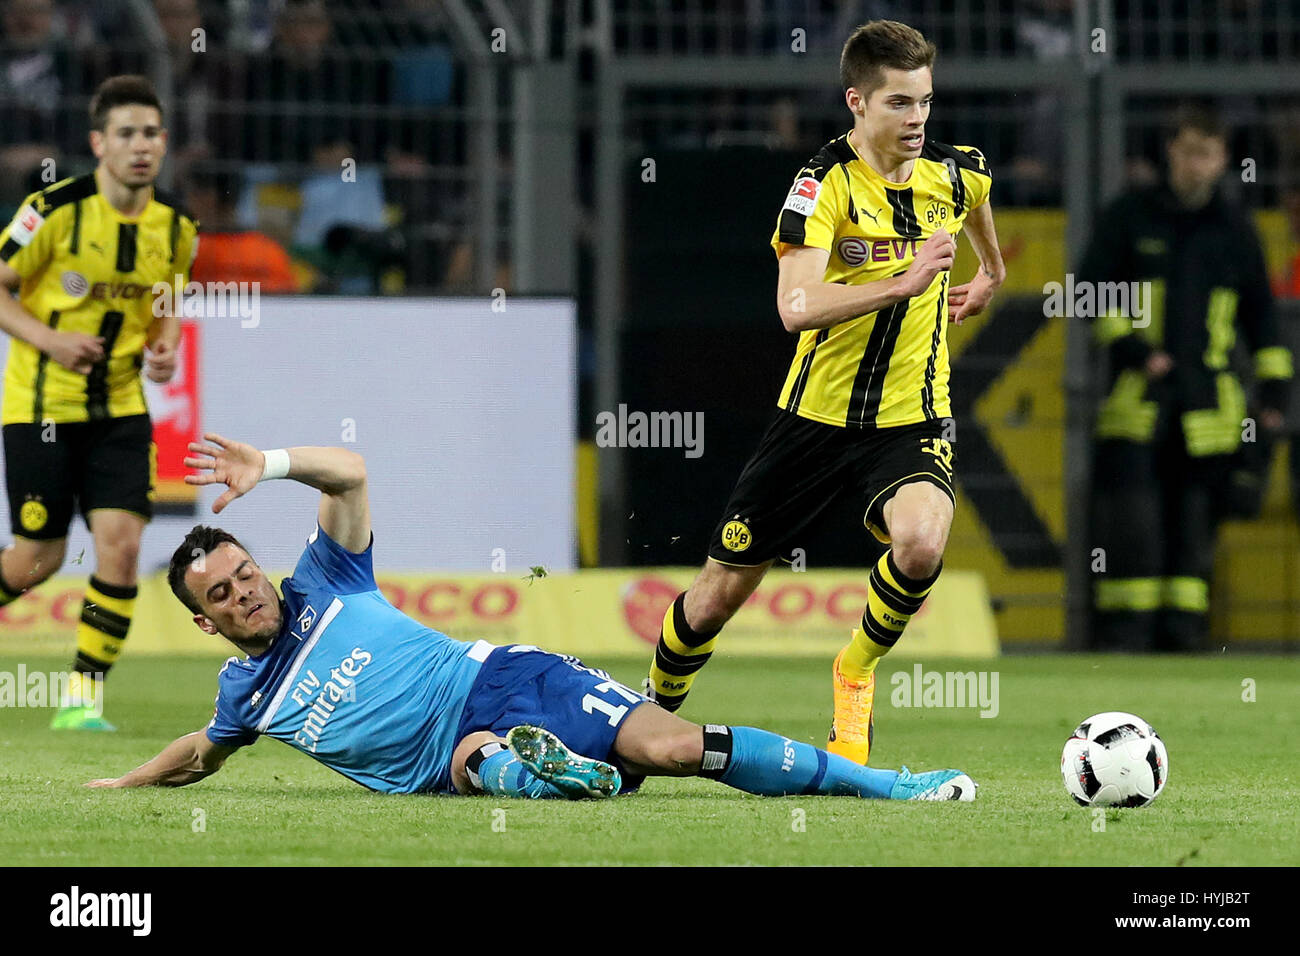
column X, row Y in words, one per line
column 1114, row 760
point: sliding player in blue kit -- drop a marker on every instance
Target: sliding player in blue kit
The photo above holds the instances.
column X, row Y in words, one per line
column 334, row 670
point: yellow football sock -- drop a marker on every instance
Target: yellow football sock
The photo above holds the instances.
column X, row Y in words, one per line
column 83, row 690
column 892, row 599
column 679, row 655
column 105, row 619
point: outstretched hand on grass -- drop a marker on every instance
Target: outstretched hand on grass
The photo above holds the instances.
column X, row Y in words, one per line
column 225, row 461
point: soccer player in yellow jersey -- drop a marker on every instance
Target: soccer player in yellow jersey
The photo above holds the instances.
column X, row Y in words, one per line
column 864, row 243
column 84, row 256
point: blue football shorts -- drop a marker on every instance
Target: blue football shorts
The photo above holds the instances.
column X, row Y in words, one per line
column 583, row 706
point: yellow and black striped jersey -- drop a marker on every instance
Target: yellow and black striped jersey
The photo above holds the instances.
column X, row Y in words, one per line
column 87, row 268
column 889, row 367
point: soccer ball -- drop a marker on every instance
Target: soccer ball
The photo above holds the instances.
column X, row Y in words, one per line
column 1114, row 760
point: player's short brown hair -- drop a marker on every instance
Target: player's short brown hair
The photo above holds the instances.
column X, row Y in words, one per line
column 201, row 541
column 880, row 44
column 1201, row 117
column 125, row 90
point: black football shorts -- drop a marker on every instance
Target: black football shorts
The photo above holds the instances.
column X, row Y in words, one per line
column 802, row 467
column 53, row 468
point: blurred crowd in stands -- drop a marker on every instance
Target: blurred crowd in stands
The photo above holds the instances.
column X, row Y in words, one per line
column 325, row 127
column 273, row 99
column 1142, row 30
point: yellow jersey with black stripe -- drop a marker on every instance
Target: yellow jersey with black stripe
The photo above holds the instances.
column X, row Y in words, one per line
column 87, row 268
column 889, row 367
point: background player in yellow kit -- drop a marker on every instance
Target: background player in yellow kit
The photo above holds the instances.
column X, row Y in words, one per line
column 864, row 242
column 84, row 256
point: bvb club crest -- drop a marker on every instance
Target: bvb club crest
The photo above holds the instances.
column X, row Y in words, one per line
column 33, row 515
column 736, row 535
column 937, row 213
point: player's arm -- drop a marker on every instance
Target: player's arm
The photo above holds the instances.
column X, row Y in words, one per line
column 162, row 341
column 72, row 350
column 338, row 474
column 805, row 300
column 183, row 761
column 164, row 335
column 973, row 297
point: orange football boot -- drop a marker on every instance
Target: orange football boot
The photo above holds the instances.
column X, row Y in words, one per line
column 853, row 725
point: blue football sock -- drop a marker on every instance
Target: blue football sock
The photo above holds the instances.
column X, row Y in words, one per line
column 495, row 770
column 768, row 764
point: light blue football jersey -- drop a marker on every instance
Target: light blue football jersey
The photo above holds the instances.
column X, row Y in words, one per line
column 351, row 680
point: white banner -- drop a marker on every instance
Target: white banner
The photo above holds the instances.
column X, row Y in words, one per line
column 466, row 417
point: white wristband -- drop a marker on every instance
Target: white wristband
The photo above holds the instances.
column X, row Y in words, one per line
column 277, row 464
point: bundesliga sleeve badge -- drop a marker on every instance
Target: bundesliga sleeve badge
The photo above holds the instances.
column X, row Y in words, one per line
column 25, row 225
column 803, row 195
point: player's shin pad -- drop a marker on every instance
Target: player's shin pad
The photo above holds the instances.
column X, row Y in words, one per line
column 495, row 770
column 679, row 655
column 767, row 764
column 892, row 599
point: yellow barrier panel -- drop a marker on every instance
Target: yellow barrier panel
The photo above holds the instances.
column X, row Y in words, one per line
column 593, row 612
column 1023, row 414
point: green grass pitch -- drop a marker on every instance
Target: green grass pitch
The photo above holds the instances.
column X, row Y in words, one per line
column 1233, row 796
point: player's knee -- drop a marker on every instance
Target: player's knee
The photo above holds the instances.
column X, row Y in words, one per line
column 918, row 548
column 119, row 559
column 29, row 567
